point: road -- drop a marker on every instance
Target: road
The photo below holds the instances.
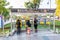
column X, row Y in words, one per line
column 40, row 35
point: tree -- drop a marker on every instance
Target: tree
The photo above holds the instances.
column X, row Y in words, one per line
column 36, row 3
column 4, row 11
column 58, row 8
column 32, row 5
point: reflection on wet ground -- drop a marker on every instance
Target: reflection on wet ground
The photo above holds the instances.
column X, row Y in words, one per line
column 41, row 35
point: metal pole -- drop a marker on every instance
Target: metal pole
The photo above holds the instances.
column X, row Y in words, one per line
column 3, row 25
column 11, row 19
column 50, row 4
column 54, row 23
column 50, row 21
column 33, row 23
column 14, row 23
column 50, row 15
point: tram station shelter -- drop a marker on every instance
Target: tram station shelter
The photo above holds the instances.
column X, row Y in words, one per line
column 43, row 13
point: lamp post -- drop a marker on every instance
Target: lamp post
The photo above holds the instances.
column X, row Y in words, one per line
column 11, row 17
column 50, row 15
column 53, row 19
column 50, row 4
column 3, row 24
column 54, row 23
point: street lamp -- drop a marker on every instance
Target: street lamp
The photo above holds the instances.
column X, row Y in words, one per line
column 11, row 16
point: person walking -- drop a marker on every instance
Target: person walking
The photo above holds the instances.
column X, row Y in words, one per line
column 18, row 23
column 28, row 26
column 35, row 24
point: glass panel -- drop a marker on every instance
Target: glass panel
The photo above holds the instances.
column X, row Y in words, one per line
column 7, row 26
column 51, row 21
column 57, row 25
column 44, row 21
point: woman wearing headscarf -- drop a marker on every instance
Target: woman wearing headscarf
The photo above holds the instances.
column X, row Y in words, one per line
column 35, row 24
column 18, row 25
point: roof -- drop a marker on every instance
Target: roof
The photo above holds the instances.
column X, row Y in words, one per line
column 23, row 10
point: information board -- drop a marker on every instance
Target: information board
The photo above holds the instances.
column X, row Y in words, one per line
column 1, row 22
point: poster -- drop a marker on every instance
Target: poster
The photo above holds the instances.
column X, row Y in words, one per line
column 0, row 21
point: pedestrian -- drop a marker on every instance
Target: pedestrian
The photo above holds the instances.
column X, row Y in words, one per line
column 35, row 24
column 18, row 23
column 28, row 26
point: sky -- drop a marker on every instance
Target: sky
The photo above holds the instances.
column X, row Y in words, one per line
column 20, row 3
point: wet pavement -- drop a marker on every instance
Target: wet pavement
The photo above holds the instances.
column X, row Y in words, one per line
column 40, row 35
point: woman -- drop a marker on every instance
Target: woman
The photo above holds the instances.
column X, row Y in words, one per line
column 18, row 23
column 28, row 26
column 35, row 24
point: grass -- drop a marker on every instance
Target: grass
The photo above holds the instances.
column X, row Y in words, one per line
column 6, row 28
column 7, row 25
column 39, row 26
column 57, row 22
column 43, row 26
column 57, row 25
column 23, row 27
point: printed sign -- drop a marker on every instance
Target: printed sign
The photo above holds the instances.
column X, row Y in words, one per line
column 1, row 22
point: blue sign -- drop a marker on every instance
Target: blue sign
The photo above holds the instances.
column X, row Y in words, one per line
column 1, row 22
column 44, row 21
